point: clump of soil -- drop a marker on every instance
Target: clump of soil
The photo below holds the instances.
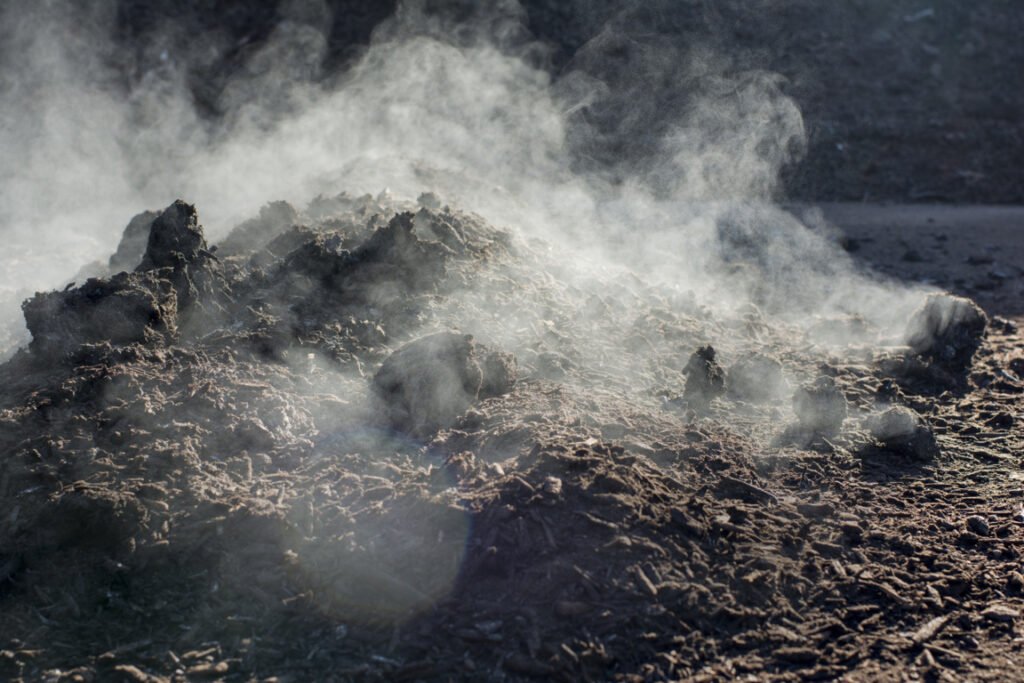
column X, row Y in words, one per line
column 175, row 238
column 756, row 378
column 428, row 383
column 820, row 407
column 901, row 430
column 705, row 378
column 947, row 330
column 126, row 309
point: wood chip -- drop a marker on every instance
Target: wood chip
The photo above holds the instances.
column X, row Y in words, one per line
column 930, row 629
column 1003, row 613
column 730, row 487
column 644, row 581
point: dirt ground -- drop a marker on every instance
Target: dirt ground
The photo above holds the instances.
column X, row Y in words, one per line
column 974, row 251
column 188, row 503
column 246, row 463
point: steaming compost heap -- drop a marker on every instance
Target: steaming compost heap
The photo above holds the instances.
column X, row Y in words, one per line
column 384, row 441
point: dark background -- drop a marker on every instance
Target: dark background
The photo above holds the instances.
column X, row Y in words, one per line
column 904, row 100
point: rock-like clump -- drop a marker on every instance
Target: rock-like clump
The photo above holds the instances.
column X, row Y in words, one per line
column 947, row 330
column 901, row 430
column 123, row 310
column 175, row 237
column 756, row 378
column 133, row 243
column 705, row 379
column 820, row 407
column 142, row 306
column 428, row 383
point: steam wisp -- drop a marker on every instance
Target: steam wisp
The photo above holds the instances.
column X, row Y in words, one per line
column 459, row 110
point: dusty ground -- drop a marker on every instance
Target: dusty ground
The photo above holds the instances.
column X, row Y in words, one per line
column 199, row 481
column 975, row 251
column 216, row 492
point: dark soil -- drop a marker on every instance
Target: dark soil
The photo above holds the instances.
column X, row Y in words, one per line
column 974, row 251
column 376, row 440
column 238, row 498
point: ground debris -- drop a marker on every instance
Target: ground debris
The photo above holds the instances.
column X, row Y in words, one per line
column 729, row 487
column 1001, row 613
column 820, row 406
column 705, row 378
column 387, row 444
column 930, row 629
column 947, row 330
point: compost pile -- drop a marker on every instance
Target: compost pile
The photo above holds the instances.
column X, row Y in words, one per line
column 376, row 440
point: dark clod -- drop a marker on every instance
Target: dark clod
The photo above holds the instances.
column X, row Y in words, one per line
column 174, row 236
column 900, row 430
column 947, row 330
column 430, row 382
column 499, row 374
column 705, row 379
column 889, row 392
column 820, row 407
column 978, row 525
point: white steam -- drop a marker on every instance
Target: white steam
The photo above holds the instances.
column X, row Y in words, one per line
column 430, row 106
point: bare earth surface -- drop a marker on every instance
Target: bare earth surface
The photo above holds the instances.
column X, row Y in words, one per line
column 974, row 251
column 284, row 461
column 221, row 485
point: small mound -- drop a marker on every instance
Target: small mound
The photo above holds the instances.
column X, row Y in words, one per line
column 705, row 379
column 820, row 407
column 175, row 237
column 176, row 279
column 756, row 378
column 900, row 430
column 428, row 383
column 947, row 330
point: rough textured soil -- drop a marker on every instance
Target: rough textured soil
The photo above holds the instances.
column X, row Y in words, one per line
column 225, row 490
column 282, row 458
